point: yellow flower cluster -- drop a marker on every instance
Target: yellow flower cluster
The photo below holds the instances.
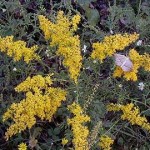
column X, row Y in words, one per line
column 111, row 44
column 41, row 101
column 61, row 34
column 36, row 84
column 105, row 142
column 80, row 131
column 22, row 146
column 138, row 61
column 18, row 49
column 130, row 113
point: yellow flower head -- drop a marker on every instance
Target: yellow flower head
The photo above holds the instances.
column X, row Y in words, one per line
column 36, row 83
column 18, row 49
column 22, row 146
column 130, row 113
column 105, row 142
column 61, row 34
column 75, row 22
column 41, row 101
column 80, row 131
column 111, row 44
column 146, row 61
column 138, row 61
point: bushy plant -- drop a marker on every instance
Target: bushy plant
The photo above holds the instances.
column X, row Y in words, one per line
column 60, row 85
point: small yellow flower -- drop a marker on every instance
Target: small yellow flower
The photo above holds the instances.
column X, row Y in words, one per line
column 64, row 141
column 106, row 142
column 22, row 146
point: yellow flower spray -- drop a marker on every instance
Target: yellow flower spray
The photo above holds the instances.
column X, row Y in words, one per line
column 61, row 34
column 18, row 49
column 105, row 142
column 41, row 101
column 138, row 61
column 130, row 113
column 111, row 44
column 80, row 131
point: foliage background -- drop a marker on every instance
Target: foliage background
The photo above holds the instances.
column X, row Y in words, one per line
column 96, row 84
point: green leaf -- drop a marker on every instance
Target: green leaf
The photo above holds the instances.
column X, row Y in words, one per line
column 146, row 112
column 37, row 131
column 50, row 132
column 91, row 14
column 84, row 2
column 56, row 131
column 120, row 141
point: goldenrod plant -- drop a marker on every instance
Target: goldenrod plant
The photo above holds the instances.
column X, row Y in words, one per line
column 74, row 75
